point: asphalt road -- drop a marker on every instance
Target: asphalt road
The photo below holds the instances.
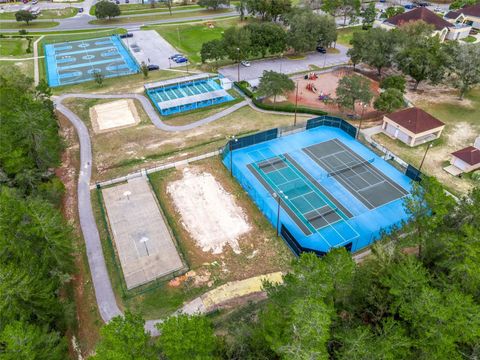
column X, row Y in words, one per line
column 285, row 65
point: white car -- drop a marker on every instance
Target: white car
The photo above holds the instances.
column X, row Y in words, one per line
column 245, row 63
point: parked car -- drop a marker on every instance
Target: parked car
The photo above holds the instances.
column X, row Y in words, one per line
column 152, row 67
column 423, row 4
column 321, row 49
column 180, row 59
column 175, row 56
column 34, row 2
column 245, row 63
column 127, row 35
column 127, row 1
column 410, row 6
column 117, row 2
column 80, row 10
column 383, row 1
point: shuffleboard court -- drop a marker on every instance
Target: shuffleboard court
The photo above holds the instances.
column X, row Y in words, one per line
column 143, row 241
column 368, row 184
column 77, row 61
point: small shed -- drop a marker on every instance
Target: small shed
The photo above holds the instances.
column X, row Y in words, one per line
column 413, row 126
column 467, row 159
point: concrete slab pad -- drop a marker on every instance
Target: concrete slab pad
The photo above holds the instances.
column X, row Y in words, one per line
column 142, row 239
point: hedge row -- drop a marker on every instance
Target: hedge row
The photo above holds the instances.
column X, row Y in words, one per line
column 243, row 85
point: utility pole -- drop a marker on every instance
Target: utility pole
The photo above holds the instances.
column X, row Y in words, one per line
column 424, row 156
column 296, row 103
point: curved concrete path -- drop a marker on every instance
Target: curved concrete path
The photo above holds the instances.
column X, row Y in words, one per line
column 150, row 110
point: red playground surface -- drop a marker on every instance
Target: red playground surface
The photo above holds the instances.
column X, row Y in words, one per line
column 318, row 91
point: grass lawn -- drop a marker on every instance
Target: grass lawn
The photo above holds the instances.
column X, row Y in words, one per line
column 346, row 34
column 154, row 17
column 32, row 25
column 469, row 39
column 13, row 47
column 189, row 38
column 462, row 125
column 46, row 14
column 25, row 66
column 126, row 150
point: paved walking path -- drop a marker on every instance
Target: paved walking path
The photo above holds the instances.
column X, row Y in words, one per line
column 152, row 113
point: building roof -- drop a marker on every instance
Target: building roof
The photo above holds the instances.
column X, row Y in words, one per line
column 472, row 10
column 470, row 155
column 452, row 15
column 420, row 13
column 415, row 120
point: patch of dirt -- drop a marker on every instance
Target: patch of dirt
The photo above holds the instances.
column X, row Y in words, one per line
column 208, row 212
column 261, row 252
column 435, row 94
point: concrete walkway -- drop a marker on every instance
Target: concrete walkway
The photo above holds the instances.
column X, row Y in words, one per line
column 151, row 112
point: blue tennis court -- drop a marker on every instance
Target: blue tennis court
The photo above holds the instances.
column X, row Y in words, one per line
column 77, row 61
column 320, row 186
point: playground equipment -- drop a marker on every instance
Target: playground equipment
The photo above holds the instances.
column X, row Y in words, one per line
column 324, row 97
column 210, row 24
column 311, row 87
column 311, row 76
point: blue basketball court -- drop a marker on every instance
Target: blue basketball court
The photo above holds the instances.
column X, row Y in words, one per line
column 77, row 61
column 320, row 186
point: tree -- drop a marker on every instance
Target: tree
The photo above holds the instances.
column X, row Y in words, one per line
column 352, row 89
column 369, row 15
column 169, row 5
column 389, row 100
column 465, row 67
column 269, row 9
column 458, row 4
column 394, row 82
column 98, row 77
column 25, row 15
column 392, row 11
column 30, row 145
column 144, row 69
column 308, row 30
column 242, row 9
column 187, row 337
column 106, row 9
column 213, row 4
column 20, row 340
column 423, row 60
column 212, row 50
column 312, row 4
column 237, row 43
column 124, row 337
column 345, row 8
column 376, row 47
column 274, row 84
column 266, row 38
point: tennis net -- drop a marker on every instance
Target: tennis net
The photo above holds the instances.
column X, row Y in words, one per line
column 347, row 168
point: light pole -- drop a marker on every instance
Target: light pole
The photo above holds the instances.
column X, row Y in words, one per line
column 296, row 103
column 238, row 68
column 361, row 119
column 424, row 156
column 278, row 196
column 281, row 62
column 234, row 139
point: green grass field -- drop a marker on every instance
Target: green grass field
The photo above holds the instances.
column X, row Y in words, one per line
column 25, row 66
column 346, row 34
column 13, row 47
column 161, row 16
column 189, row 38
column 32, row 25
column 46, row 14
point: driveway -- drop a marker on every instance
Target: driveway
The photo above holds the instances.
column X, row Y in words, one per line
column 285, row 65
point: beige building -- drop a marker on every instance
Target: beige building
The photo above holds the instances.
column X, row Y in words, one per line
column 444, row 29
column 413, row 126
column 469, row 15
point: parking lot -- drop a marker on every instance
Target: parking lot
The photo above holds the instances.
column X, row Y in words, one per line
column 149, row 47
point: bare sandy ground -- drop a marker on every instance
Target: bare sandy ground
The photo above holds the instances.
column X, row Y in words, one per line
column 208, row 212
column 114, row 115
